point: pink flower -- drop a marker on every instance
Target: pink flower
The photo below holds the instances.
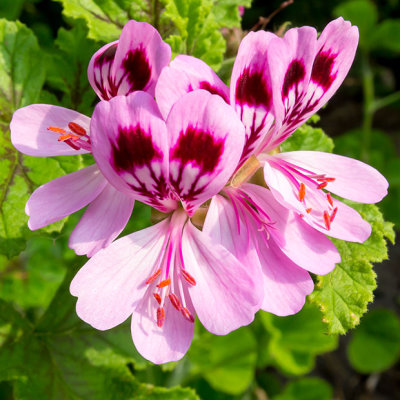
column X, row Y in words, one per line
column 276, row 84
column 162, row 275
column 132, row 63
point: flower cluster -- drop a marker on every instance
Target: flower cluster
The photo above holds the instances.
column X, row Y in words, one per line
column 174, row 136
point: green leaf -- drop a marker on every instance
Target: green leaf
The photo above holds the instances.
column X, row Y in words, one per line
column 297, row 339
column 344, row 293
column 227, row 12
column 386, row 36
column 197, row 30
column 63, row 358
column 306, row 389
column 308, row 137
column 363, row 14
column 67, row 66
column 375, row 344
column 226, row 362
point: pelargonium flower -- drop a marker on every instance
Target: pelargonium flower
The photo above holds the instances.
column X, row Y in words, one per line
column 166, row 273
column 119, row 68
column 276, row 84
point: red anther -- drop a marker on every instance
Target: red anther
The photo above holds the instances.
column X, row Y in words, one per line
column 160, row 316
column 153, row 277
column 71, row 144
column 327, row 220
column 326, row 179
column 329, row 197
column 189, row 278
column 157, row 297
column 68, row 136
column 77, row 128
column 301, row 215
column 302, row 191
column 322, row 185
column 333, row 215
column 164, row 283
column 56, row 129
column 186, row 313
column 308, row 210
column 175, row 302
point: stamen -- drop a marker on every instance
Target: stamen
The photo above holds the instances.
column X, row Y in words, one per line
column 333, row 215
column 322, row 185
column 164, row 283
column 76, row 128
column 327, row 220
column 325, row 179
column 302, row 191
column 160, row 316
column 174, row 301
column 308, row 210
column 56, row 129
column 71, row 144
column 186, row 313
column 157, row 297
column 68, row 136
column 153, row 277
column 189, row 278
column 329, row 197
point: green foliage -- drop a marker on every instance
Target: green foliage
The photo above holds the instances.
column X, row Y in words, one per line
column 306, row 389
column 197, row 31
column 226, row 12
column 375, row 345
column 344, row 293
column 296, row 340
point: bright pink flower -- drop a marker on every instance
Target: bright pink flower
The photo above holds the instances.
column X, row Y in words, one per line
column 134, row 62
column 164, row 274
column 45, row 131
column 276, row 84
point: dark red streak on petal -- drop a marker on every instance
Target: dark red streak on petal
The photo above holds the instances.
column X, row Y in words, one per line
column 213, row 90
column 251, row 89
column 134, row 148
column 321, row 72
column 294, row 74
column 199, row 147
column 102, row 62
column 137, row 69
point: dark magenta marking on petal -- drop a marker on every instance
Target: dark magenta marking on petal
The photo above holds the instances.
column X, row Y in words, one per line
column 134, row 148
column 137, row 69
column 107, row 55
column 200, row 147
column 294, row 74
column 251, row 89
column 103, row 62
column 213, row 90
column 321, row 72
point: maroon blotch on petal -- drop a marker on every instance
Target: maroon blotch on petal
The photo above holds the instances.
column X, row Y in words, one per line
column 104, row 61
column 251, row 89
column 213, row 90
column 137, row 69
column 321, row 72
column 199, row 147
column 133, row 148
column 294, row 74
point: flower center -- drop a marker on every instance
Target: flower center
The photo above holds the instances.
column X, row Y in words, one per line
column 75, row 137
column 169, row 276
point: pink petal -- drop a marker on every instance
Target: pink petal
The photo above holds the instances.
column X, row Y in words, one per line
column 140, row 57
column 206, row 140
column 285, row 284
column 165, row 344
column 30, row 134
column 354, row 180
column 251, row 88
column 305, row 246
column 63, row 196
column 183, row 75
column 225, row 296
column 129, row 143
column 99, row 71
column 111, row 285
column 102, row 222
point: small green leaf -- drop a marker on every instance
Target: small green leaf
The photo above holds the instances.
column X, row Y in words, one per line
column 386, row 36
column 226, row 362
column 375, row 344
column 306, row 389
column 297, row 339
column 344, row 293
column 308, row 137
column 227, row 12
